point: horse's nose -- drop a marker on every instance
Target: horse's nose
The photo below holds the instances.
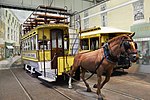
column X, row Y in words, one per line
column 134, row 58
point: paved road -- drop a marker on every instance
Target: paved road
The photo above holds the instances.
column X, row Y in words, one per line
column 10, row 89
column 122, row 86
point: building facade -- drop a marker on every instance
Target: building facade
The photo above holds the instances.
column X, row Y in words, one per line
column 10, row 30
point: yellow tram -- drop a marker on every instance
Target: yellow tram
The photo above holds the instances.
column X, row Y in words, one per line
column 45, row 43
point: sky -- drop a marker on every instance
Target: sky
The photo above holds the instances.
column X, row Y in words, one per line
column 21, row 15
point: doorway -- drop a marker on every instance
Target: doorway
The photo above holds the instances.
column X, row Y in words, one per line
column 56, row 37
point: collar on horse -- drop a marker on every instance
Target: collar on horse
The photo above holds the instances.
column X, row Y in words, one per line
column 108, row 55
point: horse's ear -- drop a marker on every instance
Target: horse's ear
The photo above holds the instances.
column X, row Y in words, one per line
column 132, row 34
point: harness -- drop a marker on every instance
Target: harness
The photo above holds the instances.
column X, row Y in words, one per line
column 108, row 55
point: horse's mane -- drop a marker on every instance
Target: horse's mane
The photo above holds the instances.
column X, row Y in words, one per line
column 120, row 37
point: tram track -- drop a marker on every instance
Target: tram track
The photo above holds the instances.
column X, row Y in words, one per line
column 21, row 85
column 118, row 92
column 81, row 84
column 46, row 83
column 123, row 94
column 57, row 90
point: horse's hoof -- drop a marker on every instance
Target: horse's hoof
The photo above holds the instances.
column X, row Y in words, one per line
column 88, row 90
column 100, row 98
column 95, row 86
column 70, row 86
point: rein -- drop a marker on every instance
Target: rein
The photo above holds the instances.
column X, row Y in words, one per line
column 109, row 57
column 96, row 68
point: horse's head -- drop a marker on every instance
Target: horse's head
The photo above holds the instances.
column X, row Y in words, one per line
column 130, row 48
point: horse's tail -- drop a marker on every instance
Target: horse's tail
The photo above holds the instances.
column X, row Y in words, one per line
column 77, row 73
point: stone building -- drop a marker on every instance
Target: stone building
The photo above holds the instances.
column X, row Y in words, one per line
column 9, row 34
column 131, row 15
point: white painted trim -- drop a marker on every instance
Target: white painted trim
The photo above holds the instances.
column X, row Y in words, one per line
column 113, row 8
column 142, row 39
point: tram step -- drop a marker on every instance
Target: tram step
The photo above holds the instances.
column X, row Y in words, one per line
column 50, row 75
column 47, row 79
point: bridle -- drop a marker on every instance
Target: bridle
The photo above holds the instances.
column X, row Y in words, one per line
column 127, row 45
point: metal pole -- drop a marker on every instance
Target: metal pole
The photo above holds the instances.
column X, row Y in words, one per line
column 44, row 53
column 80, row 30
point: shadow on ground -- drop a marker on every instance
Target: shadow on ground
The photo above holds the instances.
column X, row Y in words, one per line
column 119, row 73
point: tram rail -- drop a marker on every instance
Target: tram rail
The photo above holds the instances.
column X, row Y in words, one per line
column 58, row 91
column 118, row 92
column 21, row 85
column 46, row 83
column 123, row 94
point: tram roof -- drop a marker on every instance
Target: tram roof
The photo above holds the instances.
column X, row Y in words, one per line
column 49, row 26
column 105, row 30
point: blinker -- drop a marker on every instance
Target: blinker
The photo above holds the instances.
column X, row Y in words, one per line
column 126, row 45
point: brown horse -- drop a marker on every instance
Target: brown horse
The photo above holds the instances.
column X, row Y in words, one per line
column 104, row 59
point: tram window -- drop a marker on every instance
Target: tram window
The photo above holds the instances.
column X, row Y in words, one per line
column 25, row 45
column 29, row 44
column 94, row 43
column 65, row 45
column 59, row 40
column 85, row 45
column 43, row 44
column 49, row 45
column 34, row 42
column 53, row 40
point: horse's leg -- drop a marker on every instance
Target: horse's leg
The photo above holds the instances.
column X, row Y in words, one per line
column 99, row 88
column 74, row 68
column 107, row 78
column 82, row 76
column 69, row 82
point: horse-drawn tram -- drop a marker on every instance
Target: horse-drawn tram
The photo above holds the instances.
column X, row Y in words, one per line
column 49, row 48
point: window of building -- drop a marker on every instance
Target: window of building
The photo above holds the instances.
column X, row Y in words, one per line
column 86, row 20
column 14, row 35
column 77, row 23
column 138, row 8
column 8, row 36
column 8, row 33
column 11, row 34
column 6, row 13
column 103, row 15
column 104, row 19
